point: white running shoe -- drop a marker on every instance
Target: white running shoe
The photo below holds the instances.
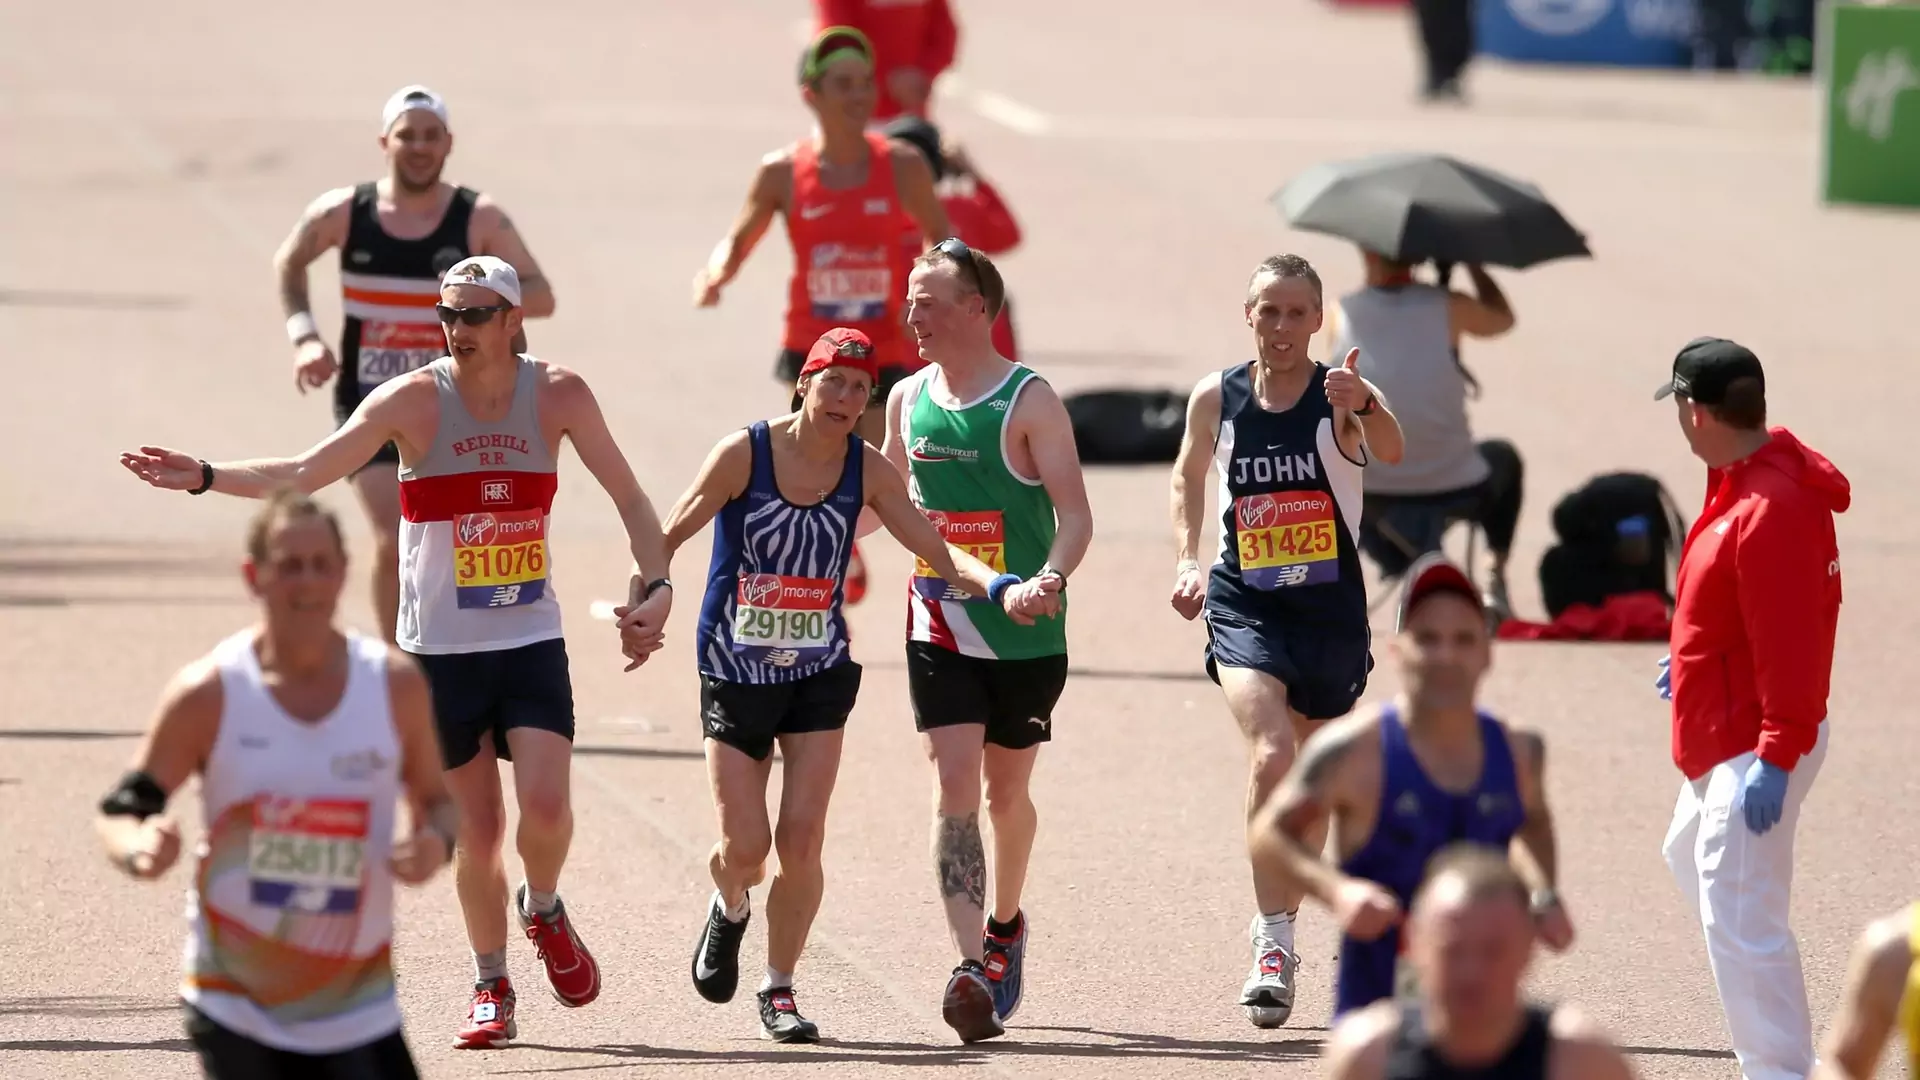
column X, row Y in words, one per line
column 1268, row 993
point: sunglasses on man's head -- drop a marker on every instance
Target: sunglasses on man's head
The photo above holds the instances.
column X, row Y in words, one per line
column 472, row 316
column 961, row 254
column 853, row 350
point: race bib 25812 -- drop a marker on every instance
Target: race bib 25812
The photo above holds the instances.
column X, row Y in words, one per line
column 1286, row 539
column 308, row 855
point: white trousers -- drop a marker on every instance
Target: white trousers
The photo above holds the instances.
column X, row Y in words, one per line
column 1740, row 884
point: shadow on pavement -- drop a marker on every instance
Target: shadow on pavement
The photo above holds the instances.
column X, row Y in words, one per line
column 92, row 1005
column 639, row 752
column 1677, row 1051
column 1127, row 1045
column 60, row 735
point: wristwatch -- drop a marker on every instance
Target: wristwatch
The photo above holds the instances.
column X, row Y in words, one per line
column 656, row 585
column 1543, row 900
column 1367, row 409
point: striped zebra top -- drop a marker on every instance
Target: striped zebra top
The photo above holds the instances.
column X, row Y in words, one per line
column 775, row 590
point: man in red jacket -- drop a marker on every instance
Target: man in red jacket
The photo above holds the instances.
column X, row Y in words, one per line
column 913, row 42
column 1757, row 604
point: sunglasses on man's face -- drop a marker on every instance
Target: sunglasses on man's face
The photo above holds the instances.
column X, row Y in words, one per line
column 472, row 316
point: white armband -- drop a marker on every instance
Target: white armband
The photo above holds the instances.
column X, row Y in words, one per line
column 301, row 326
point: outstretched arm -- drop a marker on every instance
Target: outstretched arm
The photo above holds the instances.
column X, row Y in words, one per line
column 749, row 225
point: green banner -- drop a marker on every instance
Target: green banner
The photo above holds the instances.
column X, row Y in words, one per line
column 1870, row 131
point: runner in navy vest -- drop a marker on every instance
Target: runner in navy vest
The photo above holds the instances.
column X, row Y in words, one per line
column 1403, row 781
column 1286, row 607
column 773, row 652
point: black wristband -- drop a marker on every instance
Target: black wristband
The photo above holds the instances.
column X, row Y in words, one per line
column 655, row 586
column 1367, row 409
column 206, row 480
column 138, row 797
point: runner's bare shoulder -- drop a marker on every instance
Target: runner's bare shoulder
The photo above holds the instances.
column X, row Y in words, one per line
column 1582, row 1050
column 773, row 182
column 1358, row 1047
column 322, row 226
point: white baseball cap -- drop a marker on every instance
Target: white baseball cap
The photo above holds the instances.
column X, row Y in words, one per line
column 487, row 272
column 409, row 98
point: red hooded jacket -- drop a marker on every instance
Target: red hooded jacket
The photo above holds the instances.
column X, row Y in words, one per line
column 905, row 34
column 1757, row 602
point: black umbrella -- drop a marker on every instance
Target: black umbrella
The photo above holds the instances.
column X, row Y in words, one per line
column 1413, row 207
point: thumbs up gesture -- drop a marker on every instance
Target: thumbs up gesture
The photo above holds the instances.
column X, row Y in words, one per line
column 1345, row 388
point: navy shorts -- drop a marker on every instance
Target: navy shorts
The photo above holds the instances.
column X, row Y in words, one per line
column 750, row 716
column 482, row 694
column 1324, row 671
column 386, row 455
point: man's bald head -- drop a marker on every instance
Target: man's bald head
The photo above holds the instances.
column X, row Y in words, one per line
column 1463, row 874
column 1471, row 935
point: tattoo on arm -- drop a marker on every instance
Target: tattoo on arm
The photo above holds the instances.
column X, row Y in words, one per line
column 961, row 860
column 293, row 291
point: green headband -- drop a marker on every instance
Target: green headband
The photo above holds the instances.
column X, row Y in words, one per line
column 813, row 64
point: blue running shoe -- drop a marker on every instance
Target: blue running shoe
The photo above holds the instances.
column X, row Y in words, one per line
column 1004, row 961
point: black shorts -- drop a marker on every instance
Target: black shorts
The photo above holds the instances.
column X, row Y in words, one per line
column 481, row 693
column 386, row 455
column 1013, row 698
column 787, row 367
column 1325, row 672
column 749, row 716
column 228, row 1055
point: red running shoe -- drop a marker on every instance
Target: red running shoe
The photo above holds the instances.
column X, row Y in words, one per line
column 490, row 1022
column 856, row 576
column 571, row 970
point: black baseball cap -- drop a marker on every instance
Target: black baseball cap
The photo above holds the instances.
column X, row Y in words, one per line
column 1706, row 366
column 1430, row 575
column 922, row 136
column 827, row 45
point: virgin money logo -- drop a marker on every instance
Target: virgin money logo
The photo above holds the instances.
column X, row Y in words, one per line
column 1258, row 512
column 939, row 519
column 756, row 589
column 477, row 529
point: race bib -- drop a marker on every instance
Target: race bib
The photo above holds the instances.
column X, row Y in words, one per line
column 499, row 559
column 849, row 289
column 980, row 533
column 390, row 349
column 1286, row 539
column 308, row 856
column 783, row 620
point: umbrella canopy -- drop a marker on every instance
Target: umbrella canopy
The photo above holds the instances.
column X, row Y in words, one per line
column 1411, row 207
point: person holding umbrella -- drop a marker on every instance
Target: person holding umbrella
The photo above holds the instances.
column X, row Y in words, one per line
column 1402, row 209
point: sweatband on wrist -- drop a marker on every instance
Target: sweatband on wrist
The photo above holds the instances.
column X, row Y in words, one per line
column 998, row 587
column 300, row 326
column 138, row 797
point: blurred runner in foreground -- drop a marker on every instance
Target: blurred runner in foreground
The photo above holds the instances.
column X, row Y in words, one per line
column 1883, row 989
column 305, row 739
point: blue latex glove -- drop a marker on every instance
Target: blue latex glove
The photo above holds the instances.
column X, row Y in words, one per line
column 1762, row 795
column 1664, row 683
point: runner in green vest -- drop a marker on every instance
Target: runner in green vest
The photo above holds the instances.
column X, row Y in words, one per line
column 988, row 451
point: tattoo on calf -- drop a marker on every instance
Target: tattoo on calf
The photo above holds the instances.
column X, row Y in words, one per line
column 961, row 860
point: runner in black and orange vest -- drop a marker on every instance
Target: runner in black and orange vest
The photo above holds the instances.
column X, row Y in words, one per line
column 845, row 194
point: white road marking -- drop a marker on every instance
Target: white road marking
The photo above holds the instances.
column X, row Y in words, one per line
column 997, row 107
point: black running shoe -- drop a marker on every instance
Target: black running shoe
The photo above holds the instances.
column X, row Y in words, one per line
column 780, row 1018
column 967, row 1006
column 716, row 956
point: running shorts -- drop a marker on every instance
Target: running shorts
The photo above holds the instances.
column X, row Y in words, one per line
column 750, row 716
column 486, row 694
column 1325, row 671
column 228, row 1055
column 1013, row 698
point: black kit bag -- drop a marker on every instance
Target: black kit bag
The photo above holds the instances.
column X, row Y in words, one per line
column 1619, row 533
column 1127, row 426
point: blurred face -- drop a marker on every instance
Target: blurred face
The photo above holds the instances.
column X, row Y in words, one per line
column 1284, row 316
column 417, row 146
column 845, row 94
column 1443, row 651
column 833, row 400
column 298, row 577
column 1471, row 957
column 493, row 336
column 941, row 310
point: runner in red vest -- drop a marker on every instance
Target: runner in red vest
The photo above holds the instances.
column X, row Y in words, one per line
column 915, row 42
column 977, row 214
column 844, row 193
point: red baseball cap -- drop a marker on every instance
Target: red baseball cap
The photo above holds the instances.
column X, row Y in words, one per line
column 842, row 346
column 1433, row 574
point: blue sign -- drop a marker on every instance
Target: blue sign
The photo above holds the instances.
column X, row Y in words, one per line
column 1616, row 33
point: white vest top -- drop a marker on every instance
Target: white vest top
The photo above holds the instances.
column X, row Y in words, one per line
column 290, row 913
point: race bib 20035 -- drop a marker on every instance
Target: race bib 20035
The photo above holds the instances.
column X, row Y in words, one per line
column 389, row 349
